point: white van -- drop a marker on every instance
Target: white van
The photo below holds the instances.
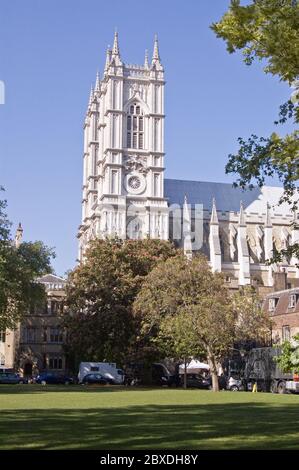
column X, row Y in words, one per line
column 107, row 369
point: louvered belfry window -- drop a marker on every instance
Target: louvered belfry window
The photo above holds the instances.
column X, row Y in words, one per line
column 135, row 127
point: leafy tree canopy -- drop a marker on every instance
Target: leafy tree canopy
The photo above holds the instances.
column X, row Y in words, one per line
column 288, row 359
column 186, row 294
column 267, row 30
column 19, row 268
column 100, row 294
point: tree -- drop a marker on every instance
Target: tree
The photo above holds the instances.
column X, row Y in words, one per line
column 267, row 30
column 252, row 322
column 19, row 268
column 177, row 339
column 188, row 291
column 288, row 359
column 100, row 294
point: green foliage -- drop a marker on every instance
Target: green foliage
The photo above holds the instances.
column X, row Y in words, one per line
column 19, row 267
column 176, row 337
column 189, row 309
column 253, row 322
column 4, row 223
column 100, row 294
column 288, row 360
column 267, row 30
column 259, row 158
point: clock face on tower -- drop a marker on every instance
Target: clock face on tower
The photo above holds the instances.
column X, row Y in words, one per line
column 135, row 183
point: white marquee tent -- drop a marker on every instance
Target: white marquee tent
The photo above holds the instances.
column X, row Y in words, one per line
column 194, row 367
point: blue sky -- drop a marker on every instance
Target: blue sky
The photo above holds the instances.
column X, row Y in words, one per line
column 49, row 54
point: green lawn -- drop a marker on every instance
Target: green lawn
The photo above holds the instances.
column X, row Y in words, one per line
column 58, row 417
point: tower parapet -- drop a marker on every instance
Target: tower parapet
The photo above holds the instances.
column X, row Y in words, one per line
column 123, row 170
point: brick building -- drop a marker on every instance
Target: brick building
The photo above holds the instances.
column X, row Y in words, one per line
column 283, row 308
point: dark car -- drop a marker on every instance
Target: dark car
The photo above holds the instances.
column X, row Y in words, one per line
column 52, row 378
column 11, row 378
column 161, row 375
column 196, row 381
column 96, row 379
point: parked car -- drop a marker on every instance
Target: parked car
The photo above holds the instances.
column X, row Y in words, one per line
column 161, row 375
column 106, row 369
column 235, row 384
column 196, row 381
column 53, row 378
column 90, row 379
column 12, row 378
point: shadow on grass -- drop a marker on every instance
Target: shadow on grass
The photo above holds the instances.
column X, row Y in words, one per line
column 209, row 426
column 36, row 388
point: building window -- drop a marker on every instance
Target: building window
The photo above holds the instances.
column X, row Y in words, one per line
column 54, row 307
column 55, row 363
column 272, row 304
column 114, row 181
column 29, row 335
column 2, row 360
column 114, row 130
column 2, row 336
column 140, row 143
column 45, row 335
column 55, row 335
column 292, row 301
column 44, row 361
column 286, row 333
column 115, row 95
column 156, row 131
column 156, row 185
column 135, row 128
column 156, row 98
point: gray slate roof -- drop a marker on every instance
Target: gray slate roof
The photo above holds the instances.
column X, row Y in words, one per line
column 227, row 197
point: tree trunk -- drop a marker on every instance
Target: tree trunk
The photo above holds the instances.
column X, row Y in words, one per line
column 213, row 371
column 185, row 373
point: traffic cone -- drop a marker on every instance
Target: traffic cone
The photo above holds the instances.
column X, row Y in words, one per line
column 254, row 388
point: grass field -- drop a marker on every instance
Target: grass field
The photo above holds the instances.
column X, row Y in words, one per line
column 58, row 417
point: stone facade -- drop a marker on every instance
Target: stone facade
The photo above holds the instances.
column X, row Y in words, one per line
column 126, row 195
column 123, row 160
column 37, row 343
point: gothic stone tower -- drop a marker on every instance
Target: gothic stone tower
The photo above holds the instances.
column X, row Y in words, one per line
column 123, row 161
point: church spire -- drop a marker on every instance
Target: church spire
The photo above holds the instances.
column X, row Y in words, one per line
column 90, row 96
column 146, row 64
column 19, row 235
column 108, row 59
column 214, row 217
column 187, row 230
column 268, row 222
column 97, row 85
column 156, row 56
column 115, row 49
column 242, row 222
column 214, row 240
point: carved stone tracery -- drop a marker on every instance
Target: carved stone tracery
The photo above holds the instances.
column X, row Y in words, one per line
column 136, row 163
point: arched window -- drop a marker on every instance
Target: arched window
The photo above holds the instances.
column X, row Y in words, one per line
column 135, row 127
